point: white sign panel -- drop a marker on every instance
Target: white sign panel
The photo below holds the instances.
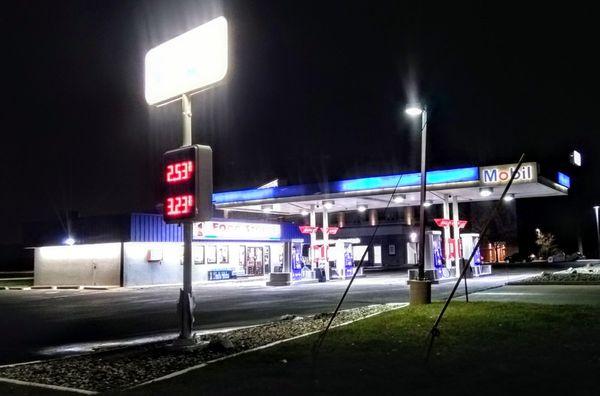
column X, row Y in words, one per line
column 501, row 174
column 229, row 230
column 187, row 63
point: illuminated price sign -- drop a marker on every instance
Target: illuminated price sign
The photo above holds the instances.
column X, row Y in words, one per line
column 187, row 184
column 179, row 171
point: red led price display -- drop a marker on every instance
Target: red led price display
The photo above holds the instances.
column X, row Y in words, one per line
column 179, row 206
column 179, row 171
column 187, row 184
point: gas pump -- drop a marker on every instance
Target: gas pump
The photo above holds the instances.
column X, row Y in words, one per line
column 433, row 260
column 296, row 261
column 320, row 259
column 344, row 262
column 469, row 240
column 434, row 263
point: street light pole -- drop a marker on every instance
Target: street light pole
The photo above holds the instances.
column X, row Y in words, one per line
column 423, row 195
column 597, row 228
column 420, row 288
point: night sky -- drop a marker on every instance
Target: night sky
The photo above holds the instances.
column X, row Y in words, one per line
column 315, row 92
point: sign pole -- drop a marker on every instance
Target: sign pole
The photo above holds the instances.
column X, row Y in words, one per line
column 186, row 299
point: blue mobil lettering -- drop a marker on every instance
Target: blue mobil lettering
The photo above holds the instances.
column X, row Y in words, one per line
column 502, row 175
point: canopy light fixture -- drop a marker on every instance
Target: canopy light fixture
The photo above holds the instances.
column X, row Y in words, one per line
column 69, row 241
column 328, row 204
column 399, row 198
column 361, row 208
column 267, row 208
column 509, row 197
column 304, row 212
column 486, row 191
column 427, row 203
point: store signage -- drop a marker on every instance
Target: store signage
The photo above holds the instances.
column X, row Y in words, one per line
column 330, row 230
column 443, row 222
column 226, row 230
column 448, row 223
column 220, row 274
column 501, row 174
column 564, row 180
column 308, row 229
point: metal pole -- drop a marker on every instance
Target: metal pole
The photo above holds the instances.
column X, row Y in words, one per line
column 186, row 300
column 422, row 208
column 325, row 231
column 465, row 279
column 597, row 228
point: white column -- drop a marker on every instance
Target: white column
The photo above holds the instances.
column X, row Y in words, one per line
column 326, row 241
column 456, row 232
column 313, row 235
column 446, row 206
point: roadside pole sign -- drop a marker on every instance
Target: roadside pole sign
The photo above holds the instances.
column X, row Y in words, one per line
column 176, row 69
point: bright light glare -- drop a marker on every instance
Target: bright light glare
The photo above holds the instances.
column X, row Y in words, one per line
column 427, row 203
column 509, row 197
column 69, row 241
column 399, row 198
column 328, row 204
column 361, row 208
column 576, row 156
column 413, row 111
column 187, row 63
column 304, row 212
column 77, row 252
column 485, row 192
column 413, row 237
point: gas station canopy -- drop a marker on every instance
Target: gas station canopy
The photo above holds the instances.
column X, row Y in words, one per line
column 468, row 184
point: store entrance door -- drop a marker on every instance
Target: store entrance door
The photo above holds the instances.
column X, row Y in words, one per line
column 254, row 261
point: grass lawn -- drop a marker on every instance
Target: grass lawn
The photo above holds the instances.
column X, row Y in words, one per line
column 484, row 348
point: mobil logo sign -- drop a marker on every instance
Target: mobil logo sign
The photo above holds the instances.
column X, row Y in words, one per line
column 500, row 174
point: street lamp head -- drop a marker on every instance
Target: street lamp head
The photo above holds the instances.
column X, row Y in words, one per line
column 413, row 110
column 596, row 207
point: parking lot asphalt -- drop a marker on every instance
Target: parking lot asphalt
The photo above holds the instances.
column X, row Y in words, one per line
column 35, row 322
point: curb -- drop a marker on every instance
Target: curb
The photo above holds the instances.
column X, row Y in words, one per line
column 53, row 387
column 52, row 287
